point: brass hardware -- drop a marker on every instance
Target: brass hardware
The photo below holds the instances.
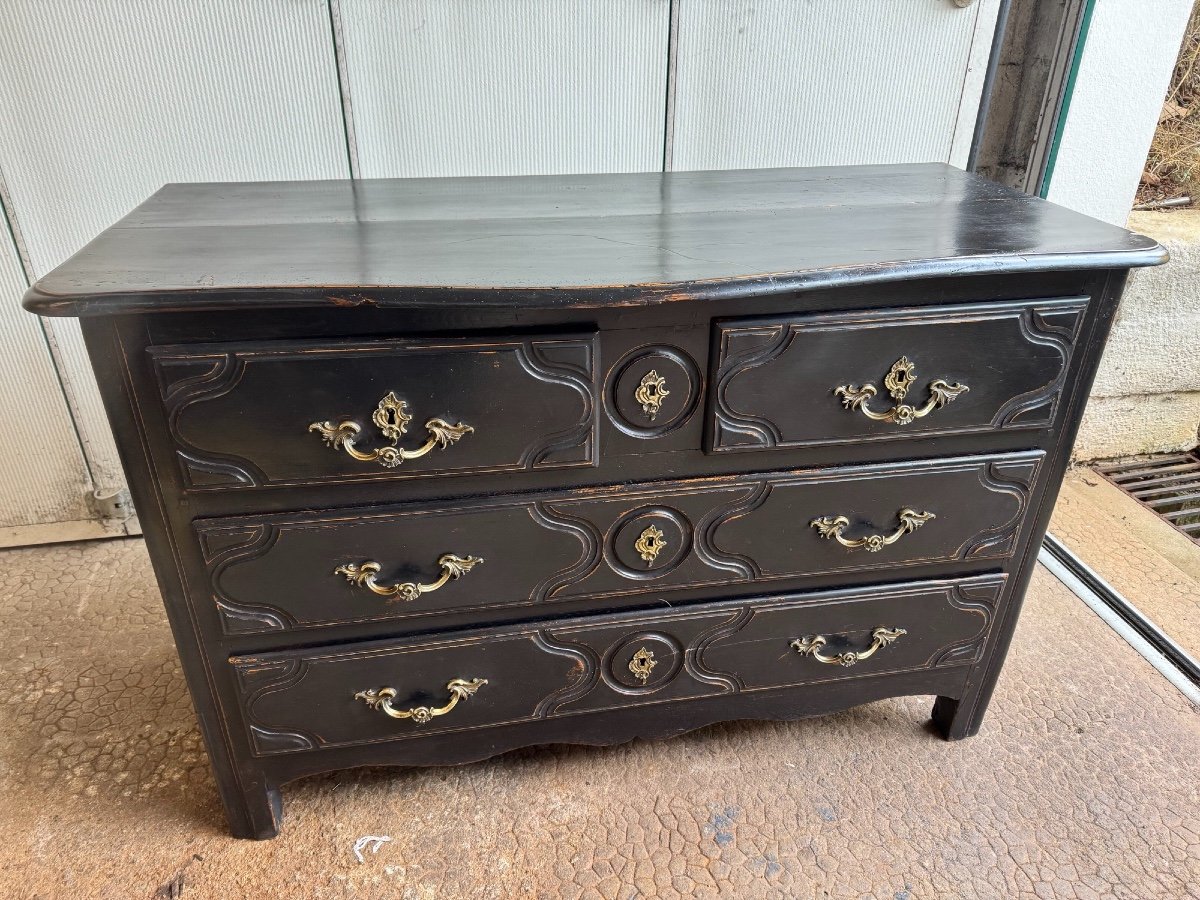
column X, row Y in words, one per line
column 811, row 646
column 381, row 699
column 649, row 544
column 391, row 417
column 363, row 575
column 642, row 664
column 650, row 393
column 833, row 526
column 897, row 381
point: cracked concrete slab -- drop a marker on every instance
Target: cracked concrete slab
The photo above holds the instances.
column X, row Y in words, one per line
column 1084, row 782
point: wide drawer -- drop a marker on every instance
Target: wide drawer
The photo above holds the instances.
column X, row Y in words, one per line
column 271, row 573
column 804, row 381
column 307, row 412
column 403, row 690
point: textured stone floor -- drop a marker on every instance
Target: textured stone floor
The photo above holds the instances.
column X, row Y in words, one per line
column 1084, row 783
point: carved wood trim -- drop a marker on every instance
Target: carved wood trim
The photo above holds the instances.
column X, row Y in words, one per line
column 981, row 599
column 226, row 546
column 1036, row 330
column 588, row 661
column 240, row 617
column 584, row 435
column 543, row 360
column 732, row 429
column 591, row 546
column 262, row 678
column 1015, row 479
column 978, row 595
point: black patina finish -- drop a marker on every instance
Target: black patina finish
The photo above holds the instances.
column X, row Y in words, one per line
column 223, row 321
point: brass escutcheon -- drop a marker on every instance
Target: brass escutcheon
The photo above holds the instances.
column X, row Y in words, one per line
column 642, row 664
column 650, row 393
column 649, row 544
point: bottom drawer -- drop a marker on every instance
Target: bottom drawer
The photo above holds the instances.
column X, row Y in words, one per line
column 405, row 689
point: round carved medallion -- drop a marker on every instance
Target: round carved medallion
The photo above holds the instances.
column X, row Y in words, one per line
column 653, row 391
column 649, row 542
column 643, row 662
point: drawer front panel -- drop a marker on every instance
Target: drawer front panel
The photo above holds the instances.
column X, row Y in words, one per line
column 335, row 697
column 296, row 571
column 893, row 374
column 300, row 413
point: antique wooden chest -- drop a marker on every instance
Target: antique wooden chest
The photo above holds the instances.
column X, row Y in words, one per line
column 433, row 469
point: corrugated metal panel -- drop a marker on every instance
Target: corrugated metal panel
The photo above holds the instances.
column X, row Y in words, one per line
column 506, row 87
column 784, row 83
column 42, row 476
column 112, row 99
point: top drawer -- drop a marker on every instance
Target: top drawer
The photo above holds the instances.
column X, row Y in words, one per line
column 307, row 412
column 891, row 374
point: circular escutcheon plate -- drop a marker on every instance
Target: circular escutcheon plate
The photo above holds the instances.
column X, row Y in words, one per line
column 644, row 662
column 653, row 391
column 649, row 542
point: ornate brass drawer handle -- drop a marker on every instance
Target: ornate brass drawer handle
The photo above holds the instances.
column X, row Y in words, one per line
column 812, row 644
column 363, row 574
column 833, row 526
column 391, row 416
column 650, row 393
column 381, row 699
column 898, row 381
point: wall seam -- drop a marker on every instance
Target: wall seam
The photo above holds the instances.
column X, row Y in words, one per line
column 668, row 160
column 337, row 35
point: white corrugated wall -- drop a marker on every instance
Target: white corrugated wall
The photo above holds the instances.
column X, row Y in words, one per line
column 102, row 102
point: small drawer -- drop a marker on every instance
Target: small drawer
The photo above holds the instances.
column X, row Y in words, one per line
column 884, row 375
column 404, row 690
column 305, row 413
column 290, row 571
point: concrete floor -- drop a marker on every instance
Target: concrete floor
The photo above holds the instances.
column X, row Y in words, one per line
column 1149, row 563
column 1084, row 783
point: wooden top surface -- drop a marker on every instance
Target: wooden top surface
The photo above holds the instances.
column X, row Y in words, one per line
column 571, row 240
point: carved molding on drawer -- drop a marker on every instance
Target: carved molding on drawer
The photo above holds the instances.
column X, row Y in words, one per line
column 187, row 378
column 772, row 353
column 1037, row 329
column 586, row 675
column 579, row 377
column 1015, row 479
column 728, row 682
column 268, row 677
column 267, row 742
column 738, row 647
column 222, row 550
column 591, row 548
column 980, row 599
column 225, row 371
column 740, row 565
column 586, row 544
column 741, row 350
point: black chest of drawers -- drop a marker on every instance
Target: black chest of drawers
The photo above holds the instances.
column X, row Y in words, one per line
column 433, row 469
